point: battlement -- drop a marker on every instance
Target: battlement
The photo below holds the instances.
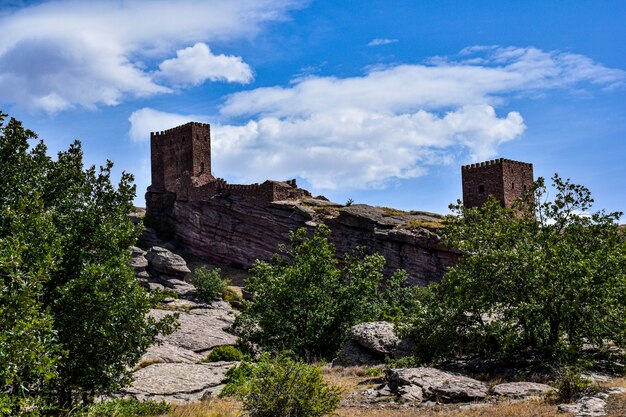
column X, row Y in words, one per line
column 180, row 128
column 505, row 179
column 494, row 162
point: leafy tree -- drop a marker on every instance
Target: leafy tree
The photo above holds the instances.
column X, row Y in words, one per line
column 28, row 251
column 64, row 238
column 543, row 278
column 304, row 303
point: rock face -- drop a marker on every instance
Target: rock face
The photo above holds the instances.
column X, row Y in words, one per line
column 230, row 230
column 425, row 384
column 201, row 329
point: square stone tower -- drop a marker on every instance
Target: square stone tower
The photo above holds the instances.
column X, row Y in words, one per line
column 184, row 151
column 503, row 178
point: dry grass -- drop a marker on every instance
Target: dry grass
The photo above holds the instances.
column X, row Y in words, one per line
column 523, row 409
column 213, row 408
column 356, row 378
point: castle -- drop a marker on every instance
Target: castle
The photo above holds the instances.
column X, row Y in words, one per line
column 235, row 224
column 181, row 164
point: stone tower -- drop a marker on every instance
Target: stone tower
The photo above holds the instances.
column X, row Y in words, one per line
column 503, row 178
column 184, row 151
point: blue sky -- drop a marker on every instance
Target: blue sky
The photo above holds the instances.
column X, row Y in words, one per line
column 378, row 101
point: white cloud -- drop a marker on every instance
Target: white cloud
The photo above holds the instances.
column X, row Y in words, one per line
column 66, row 53
column 147, row 120
column 391, row 123
column 381, row 41
column 197, row 64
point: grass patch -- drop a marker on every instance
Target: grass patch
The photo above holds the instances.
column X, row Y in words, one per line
column 388, row 211
column 414, row 225
column 225, row 353
column 215, row 407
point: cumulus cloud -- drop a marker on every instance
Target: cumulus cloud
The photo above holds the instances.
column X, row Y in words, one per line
column 393, row 122
column 197, row 64
column 148, row 120
column 66, row 53
column 381, row 41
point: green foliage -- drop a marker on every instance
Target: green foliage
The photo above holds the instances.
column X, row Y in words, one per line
column 209, row 283
column 65, row 289
column 225, row 353
column 572, row 385
column 544, row 282
column 237, row 379
column 283, row 387
column 304, row 303
column 125, row 408
column 349, row 202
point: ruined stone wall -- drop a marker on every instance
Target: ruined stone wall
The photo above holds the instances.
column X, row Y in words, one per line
column 505, row 179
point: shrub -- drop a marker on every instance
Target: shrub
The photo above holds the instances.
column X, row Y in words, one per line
column 209, row 284
column 283, row 387
column 126, row 408
column 306, row 304
column 225, row 353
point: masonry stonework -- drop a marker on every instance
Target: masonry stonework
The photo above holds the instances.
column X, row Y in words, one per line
column 505, row 179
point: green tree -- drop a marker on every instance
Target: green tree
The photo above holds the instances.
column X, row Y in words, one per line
column 543, row 278
column 64, row 238
column 305, row 303
column 29, row 249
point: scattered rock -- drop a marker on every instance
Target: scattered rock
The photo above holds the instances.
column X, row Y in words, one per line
column 521, row 390
column 178, row 382
column 138, row 259
column 377, row 336
column 585, row 407
column 166, row 262
column 434, row 385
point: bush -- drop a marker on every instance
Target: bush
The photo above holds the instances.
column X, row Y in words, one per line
column 225, row 353
column 209, row 284
column 572, row 385
column 283, row 387
column 304, row 303
column 539, row 280
column 126, row 408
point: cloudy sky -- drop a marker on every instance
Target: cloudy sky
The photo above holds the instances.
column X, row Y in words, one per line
column 379, row 101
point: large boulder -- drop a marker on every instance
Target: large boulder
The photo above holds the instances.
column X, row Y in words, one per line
column 426, row 384
column 178, row 382
column 163, row 261
column 169, row 353
column 378, row 336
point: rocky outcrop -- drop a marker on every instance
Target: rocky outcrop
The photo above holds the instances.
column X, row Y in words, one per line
column 178, row 382
column 166, row 262
column 231, row 230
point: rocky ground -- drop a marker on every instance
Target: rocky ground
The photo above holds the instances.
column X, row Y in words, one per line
column 172, row 370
